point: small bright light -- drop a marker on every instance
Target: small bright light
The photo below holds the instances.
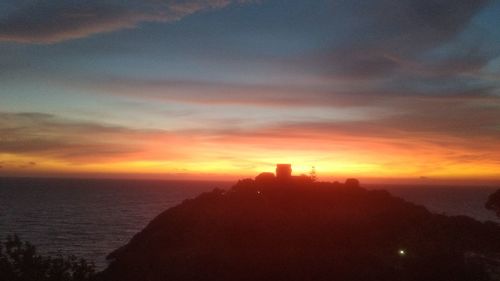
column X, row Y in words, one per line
column 402, row 252
column 258, row 192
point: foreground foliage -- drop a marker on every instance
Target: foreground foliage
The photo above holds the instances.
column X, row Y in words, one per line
column 19, row 261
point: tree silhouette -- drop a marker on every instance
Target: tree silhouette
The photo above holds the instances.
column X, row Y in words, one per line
column 352, row 183
column 313, row 175
column 19, row 261
column 493, row 202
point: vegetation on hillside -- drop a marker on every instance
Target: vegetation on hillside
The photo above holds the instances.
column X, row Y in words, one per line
column 19, row 261
column 265, row 229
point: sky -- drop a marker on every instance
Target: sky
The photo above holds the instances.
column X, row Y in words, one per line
column 222, row 89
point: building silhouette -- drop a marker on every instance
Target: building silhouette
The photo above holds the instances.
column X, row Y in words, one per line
column 283, row 172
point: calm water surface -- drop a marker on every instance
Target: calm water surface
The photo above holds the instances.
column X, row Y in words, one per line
column 88, row 218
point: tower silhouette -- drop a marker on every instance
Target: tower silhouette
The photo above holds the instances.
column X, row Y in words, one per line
column 283, row 172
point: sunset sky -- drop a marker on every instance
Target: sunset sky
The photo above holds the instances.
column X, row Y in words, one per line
column 221, row 89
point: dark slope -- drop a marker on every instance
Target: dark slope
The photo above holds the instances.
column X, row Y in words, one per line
column 304, row 231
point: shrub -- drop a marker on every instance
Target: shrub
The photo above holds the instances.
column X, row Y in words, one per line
column 19, row 261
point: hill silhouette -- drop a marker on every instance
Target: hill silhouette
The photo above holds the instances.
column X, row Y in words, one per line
column 266, row 229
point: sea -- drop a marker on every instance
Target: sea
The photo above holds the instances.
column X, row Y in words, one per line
column 90, row 218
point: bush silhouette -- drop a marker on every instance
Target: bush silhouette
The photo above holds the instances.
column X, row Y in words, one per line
column 352, row 183
column 19, row 261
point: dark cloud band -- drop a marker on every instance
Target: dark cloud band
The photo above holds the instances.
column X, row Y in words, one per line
column 52, row 21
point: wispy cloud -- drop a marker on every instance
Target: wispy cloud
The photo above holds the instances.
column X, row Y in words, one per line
column 206, row 92
column 52, row 21
column 77, row 141
column 326, row 94
column 391, row 29
column 422, row 141
column 393, row 84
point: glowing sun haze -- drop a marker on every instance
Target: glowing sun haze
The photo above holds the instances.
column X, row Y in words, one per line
column 220, row 89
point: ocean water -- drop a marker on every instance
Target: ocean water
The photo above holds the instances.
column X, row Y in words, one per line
column 91, row 218
column 87, row 218
column 447, row 200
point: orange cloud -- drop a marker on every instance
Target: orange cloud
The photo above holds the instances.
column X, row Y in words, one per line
column 337, row 149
